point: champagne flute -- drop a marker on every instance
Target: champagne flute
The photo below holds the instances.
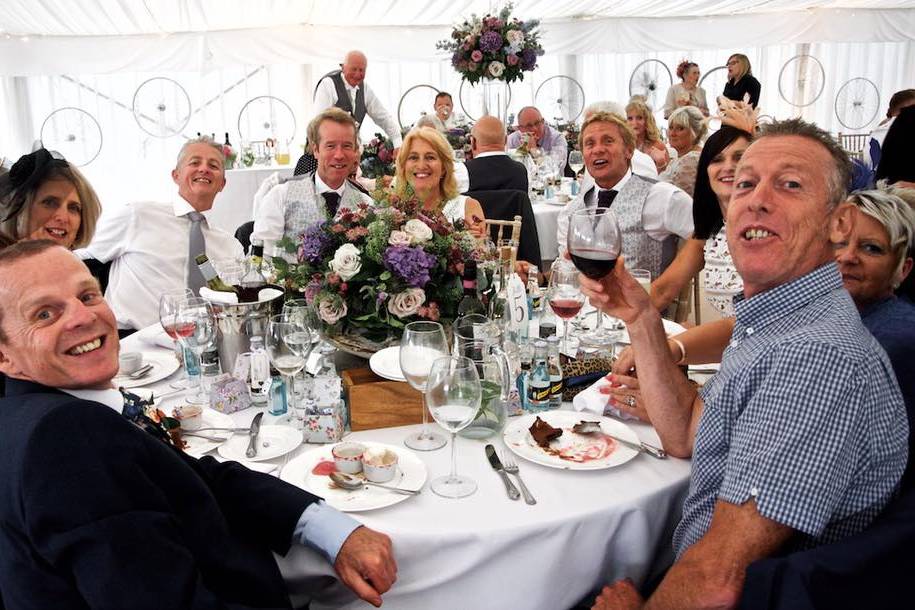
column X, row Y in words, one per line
column 286, row 343
column 421, row 344
column 196, row 329
column 169, row 304
column 594, row 242
column 576, row 161
column 453, row 394
column 565, row 297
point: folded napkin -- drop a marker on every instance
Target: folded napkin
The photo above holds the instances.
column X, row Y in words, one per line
column 268, row 293
column 216, row 296
column 593, row 401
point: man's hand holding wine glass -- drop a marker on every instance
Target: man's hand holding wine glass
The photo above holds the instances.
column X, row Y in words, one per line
column 618, row 294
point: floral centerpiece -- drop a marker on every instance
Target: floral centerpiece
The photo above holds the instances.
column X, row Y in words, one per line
column 229, row 155
column 499, row 47
column 459, row 137
column 374, row 269
column 570, row 132
column 377, row 157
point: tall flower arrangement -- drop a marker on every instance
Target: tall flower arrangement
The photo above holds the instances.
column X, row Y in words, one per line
column 500, row 47
column 377, row 268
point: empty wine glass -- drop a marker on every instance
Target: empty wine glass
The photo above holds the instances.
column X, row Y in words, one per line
column 594, row 242
column 565, row 297
column 421, row 344
column 286, row 346
column 298, row 312
column 169, row 304
column 453, row 394
column 195, row 327
column 576, row 161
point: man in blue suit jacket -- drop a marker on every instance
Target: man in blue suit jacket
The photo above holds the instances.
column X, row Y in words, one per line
column 96, row 512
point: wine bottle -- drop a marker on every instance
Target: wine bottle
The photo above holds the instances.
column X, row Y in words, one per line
column 227, row 139
column 471, row 302
column 210, row 275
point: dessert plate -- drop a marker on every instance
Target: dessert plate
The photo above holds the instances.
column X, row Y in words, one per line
column 272, row 442
column 163, row 365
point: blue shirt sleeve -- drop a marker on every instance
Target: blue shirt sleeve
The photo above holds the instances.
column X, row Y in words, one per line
column 324, row 529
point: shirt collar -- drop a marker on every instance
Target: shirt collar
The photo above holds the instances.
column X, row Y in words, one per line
column 767, row 307
column 491, row 153
column 616, row 187
column 321, row 187
column 110, row 397
column 181, row 207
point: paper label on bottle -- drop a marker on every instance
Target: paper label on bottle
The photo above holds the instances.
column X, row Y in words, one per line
column 517, row 301
column 242, row 366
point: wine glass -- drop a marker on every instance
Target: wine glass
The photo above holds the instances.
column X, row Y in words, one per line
column 169, row 304
column 195, row 326
column 297, row 311
column 565, row 297
column 421, row 344
column 576, row 161
column 594, row 242
column 286, row 345
column 453, row 394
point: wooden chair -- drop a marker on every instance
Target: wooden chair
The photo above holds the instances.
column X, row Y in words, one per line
column 496, row 229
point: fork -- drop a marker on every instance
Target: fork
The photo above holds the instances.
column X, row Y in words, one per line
column 509, row 466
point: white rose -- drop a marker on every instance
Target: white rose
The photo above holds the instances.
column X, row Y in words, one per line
column 515, row 37
column 399, row 238
column 347, row 262
column 496, row 68
column 418, row 231
column 406, row 303
column 330, row 311
column 477, row 28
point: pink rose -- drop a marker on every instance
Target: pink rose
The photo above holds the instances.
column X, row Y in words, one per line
column 512, row 60
column 477, row 56
column 331, row 310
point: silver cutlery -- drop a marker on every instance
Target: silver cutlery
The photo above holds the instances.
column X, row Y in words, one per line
column 655, row 452
column 349, row 482
column 221, row 430
column 253, row 431
column 509, row 465
column 493, row 458
column 206, row 437
column 141, row 372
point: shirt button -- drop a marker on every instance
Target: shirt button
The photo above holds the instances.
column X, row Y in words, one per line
column 754, row 491
column 749, row 330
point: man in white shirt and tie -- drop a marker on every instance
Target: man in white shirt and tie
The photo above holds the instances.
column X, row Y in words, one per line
column 346, row 89
column 152, row 245
column 651, row 214
column 291, row 207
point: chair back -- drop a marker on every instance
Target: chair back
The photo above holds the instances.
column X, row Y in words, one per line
column 853, row 143
column 508, row 206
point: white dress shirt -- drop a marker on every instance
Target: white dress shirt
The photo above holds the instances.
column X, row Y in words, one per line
column 326, row 96
column 320, row 526
column 147, row 244
column 668, row 211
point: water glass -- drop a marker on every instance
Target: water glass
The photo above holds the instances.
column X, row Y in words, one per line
column 421, row 344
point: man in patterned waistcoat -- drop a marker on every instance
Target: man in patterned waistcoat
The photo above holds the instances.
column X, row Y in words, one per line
column 290, row 207
column 346, row 89
column 651, row 214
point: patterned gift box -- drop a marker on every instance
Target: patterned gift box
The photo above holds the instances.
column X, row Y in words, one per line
column 325, row 428
column 228, row 394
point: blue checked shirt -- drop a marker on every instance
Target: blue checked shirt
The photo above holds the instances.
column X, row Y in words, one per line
column 805, row 417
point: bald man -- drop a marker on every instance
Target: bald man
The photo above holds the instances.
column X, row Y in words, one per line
column 346, row 89
column 491, row 169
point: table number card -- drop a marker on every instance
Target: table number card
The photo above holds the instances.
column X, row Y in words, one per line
column 517, row 301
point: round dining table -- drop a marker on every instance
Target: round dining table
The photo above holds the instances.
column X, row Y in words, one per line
column 587, row 528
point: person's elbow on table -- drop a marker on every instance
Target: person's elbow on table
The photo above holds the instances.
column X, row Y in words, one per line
column 366, row 564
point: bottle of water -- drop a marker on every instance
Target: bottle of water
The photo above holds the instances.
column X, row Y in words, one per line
column 277, row 396
column 534, row 300
column 260, row 371
column 538, row 380
column 556, row 375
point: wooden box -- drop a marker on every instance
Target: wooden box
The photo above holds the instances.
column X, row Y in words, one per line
column 378, row 403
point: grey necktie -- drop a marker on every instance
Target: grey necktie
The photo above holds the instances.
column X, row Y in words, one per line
column 195, row 247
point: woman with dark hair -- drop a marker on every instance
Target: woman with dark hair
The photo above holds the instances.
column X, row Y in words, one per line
column 896, row 165
column 45, row 197
column 687, row 92
column 708, row 247
column 741, row 85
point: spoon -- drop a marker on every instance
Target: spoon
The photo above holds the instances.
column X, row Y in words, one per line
column 349, row 482
column 141, row 372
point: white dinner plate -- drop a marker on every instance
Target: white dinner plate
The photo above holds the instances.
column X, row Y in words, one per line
column 608, row 452
column 272, row 442
column 386, row 363
column 163, row 365
column 411, row 474
column 196, row 446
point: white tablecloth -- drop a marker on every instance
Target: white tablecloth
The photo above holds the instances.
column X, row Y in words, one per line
column 486, row 551
column 546, row 215
column 233, row 206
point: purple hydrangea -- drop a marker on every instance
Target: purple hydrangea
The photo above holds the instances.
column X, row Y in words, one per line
column 528, row 59
column 412, row 264
column 315, row 242
column 490, row 41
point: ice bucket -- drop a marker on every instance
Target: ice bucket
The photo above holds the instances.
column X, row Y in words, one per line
column 236, row 324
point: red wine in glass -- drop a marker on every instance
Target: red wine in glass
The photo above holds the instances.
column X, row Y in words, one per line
column 594, row 263
column 566, row 308
column 180, row 329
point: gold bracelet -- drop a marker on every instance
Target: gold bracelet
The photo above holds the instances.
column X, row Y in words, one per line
column 679, row 344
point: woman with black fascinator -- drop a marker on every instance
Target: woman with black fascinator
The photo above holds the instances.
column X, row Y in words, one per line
column 43, row 196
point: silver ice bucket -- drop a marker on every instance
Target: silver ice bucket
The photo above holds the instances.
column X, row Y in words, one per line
column 236, row 324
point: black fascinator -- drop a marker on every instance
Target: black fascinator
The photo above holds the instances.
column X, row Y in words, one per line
column 26, row 174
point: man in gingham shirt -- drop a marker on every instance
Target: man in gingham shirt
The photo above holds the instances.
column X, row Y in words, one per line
column 801, row 438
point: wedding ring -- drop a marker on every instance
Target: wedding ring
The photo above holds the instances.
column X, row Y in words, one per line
column 630, row 400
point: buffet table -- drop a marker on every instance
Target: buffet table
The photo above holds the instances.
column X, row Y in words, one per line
column 588, row 528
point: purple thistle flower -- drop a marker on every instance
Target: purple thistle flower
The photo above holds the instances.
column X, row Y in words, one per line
column 528, row 59
column 412, row 264
column 315, row 242
column 490, row 41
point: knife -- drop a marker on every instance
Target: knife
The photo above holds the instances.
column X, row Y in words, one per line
column 496, row 464
column 252, row 435
column 651, row 450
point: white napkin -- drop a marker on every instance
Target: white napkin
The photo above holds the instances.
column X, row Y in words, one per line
column 216, row 296
column 268, row 293
column 593, row 401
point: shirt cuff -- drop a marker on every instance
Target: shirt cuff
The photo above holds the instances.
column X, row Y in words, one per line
column 324, row 529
